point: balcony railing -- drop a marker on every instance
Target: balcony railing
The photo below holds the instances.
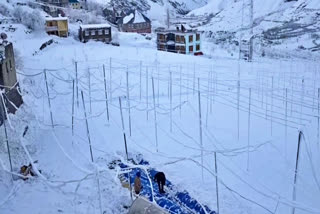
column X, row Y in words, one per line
column 52, row 28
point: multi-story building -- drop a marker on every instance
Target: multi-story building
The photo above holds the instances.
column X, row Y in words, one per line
column 57, row 26
column 8, row 77
column 98, row 32
column 179, row 40
column 75, row 4
column 134, row 22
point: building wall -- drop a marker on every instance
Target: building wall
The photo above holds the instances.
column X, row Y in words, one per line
column 62, row 27
column 144, row 27
column 75, row 6
column 192, row 43
column 105, row 37
column 8, row 76
column 181, row 41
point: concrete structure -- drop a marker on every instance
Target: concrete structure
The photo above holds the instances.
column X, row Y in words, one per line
column 75, row 4
column 57, row 26
column 98, row 32
column 135, row 22
column 179, row 40
column 8, row 77
column 142, row 206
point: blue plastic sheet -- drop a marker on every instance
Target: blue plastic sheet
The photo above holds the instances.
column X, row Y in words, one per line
column 173, row 201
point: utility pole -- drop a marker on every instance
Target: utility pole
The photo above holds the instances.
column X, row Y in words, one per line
column 251, row 31
column 168, row 18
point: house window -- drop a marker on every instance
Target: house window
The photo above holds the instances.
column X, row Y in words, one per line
column 86, row 33
column 191, row 38
column 161, row 37
column 198, row 47
column 106, row 32
column 161, row 47
column 177, row 38
column 191, row 48
column 183, row 49
column 93, row 33
column 100, row 32
column 198, row 37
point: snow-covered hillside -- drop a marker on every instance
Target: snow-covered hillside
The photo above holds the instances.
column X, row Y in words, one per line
column 184, row 114
column 284, row 25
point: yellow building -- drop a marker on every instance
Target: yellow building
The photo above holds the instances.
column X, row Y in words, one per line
column 75, row 4
column 57, row 26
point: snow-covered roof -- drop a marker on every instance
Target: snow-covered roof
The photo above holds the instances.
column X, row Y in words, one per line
column 128, row 18
column 138, row 18
column 56, row 18
column 134, row 18
column 93, row 26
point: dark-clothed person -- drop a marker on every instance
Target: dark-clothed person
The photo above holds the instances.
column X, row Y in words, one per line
column 160, row 178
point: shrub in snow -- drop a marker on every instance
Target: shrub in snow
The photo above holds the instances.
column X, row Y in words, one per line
column 5, row 10
column 95, row 7
column 29, row 17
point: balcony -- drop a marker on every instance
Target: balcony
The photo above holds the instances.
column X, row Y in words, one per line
column 51, row 28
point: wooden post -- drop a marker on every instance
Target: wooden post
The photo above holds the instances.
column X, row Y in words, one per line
column 217, row 190
column 314, row 91
column 267, row 93
column 271, row 113
column 170, row 101
column 87, row 125
column 147, row 94
column 72, row 110
column 200, row 127
column 180, row 91
column 194, row 79
column 3, row 112
column 76, row 65
column 208, row 99
column 128, row 101
column 89, row 83
column 296, row 171
column 211, row 90
column 238, row 108
column 302, row 98
column 123, row 130
column 105, row 91
column 158, row 73
column 110, row 79
column 249, row 115
column 155, row 115
column 291, row 97
column 140, row 80
column 45, row 77
column 318, row 114
column 286, row 125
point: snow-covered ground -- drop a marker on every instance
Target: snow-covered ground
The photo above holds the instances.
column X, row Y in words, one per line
column 254, row 136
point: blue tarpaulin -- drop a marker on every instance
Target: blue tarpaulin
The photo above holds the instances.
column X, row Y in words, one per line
column 173, row 201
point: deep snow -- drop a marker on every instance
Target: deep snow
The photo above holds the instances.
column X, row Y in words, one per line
column 69, row 181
